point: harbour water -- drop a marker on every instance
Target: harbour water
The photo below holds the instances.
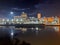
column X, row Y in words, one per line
column 50, row 35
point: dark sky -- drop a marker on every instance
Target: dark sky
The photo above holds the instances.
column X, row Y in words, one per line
column 25, row 3
column 46, row 7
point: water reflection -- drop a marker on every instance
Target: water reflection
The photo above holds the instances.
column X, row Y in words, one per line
column 57, row 28
column 12, row 30
column 45, row 36
column 25, row 30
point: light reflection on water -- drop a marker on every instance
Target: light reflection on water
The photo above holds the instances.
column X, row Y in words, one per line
column 31, row 30
column 57, row 28
column 50, row 35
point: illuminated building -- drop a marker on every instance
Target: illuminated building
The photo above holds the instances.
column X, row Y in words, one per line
column 45, row 20
column 24, row 15
column 33, row 18
column 50, row 19
column 20, row 19
column 41, row 21
column 24, row 19
column 56, row 19
column 3, row 20
column 39, row 15
column 17, row 17
column 59, row 19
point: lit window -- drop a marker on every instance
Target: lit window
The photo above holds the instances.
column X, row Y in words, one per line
column 17, row 20
column 3, row 20
column 12, row 20
column 7, row 19
column 21, row 19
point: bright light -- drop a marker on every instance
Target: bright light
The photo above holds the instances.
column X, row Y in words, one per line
column 18, row 22
column 3, row 20
column 17, row 19
column 7, row 20
column 36, row 28
column 12, row 20
column 11, row 13
column 12, row 33
column 21, row 19
column 56, row 29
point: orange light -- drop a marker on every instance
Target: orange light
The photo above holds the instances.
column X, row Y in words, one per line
column 38, row 15
column 50, row 19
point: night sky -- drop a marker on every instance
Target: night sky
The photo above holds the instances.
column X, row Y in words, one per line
column 46, row 7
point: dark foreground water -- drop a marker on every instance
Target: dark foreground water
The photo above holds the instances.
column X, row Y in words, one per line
column 47, row 36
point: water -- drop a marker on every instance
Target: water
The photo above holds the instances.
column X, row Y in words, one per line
column 50, row 35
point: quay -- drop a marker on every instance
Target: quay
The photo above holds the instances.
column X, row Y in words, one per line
column 53, row 25
column 25, row 25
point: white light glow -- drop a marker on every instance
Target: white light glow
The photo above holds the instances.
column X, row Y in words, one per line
column 21, row 19
column 11, row 13
column 3, row 20
column 12, row 33
column 36, row 28
column 17, row 19
column 7, row 19
column 12, row 20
